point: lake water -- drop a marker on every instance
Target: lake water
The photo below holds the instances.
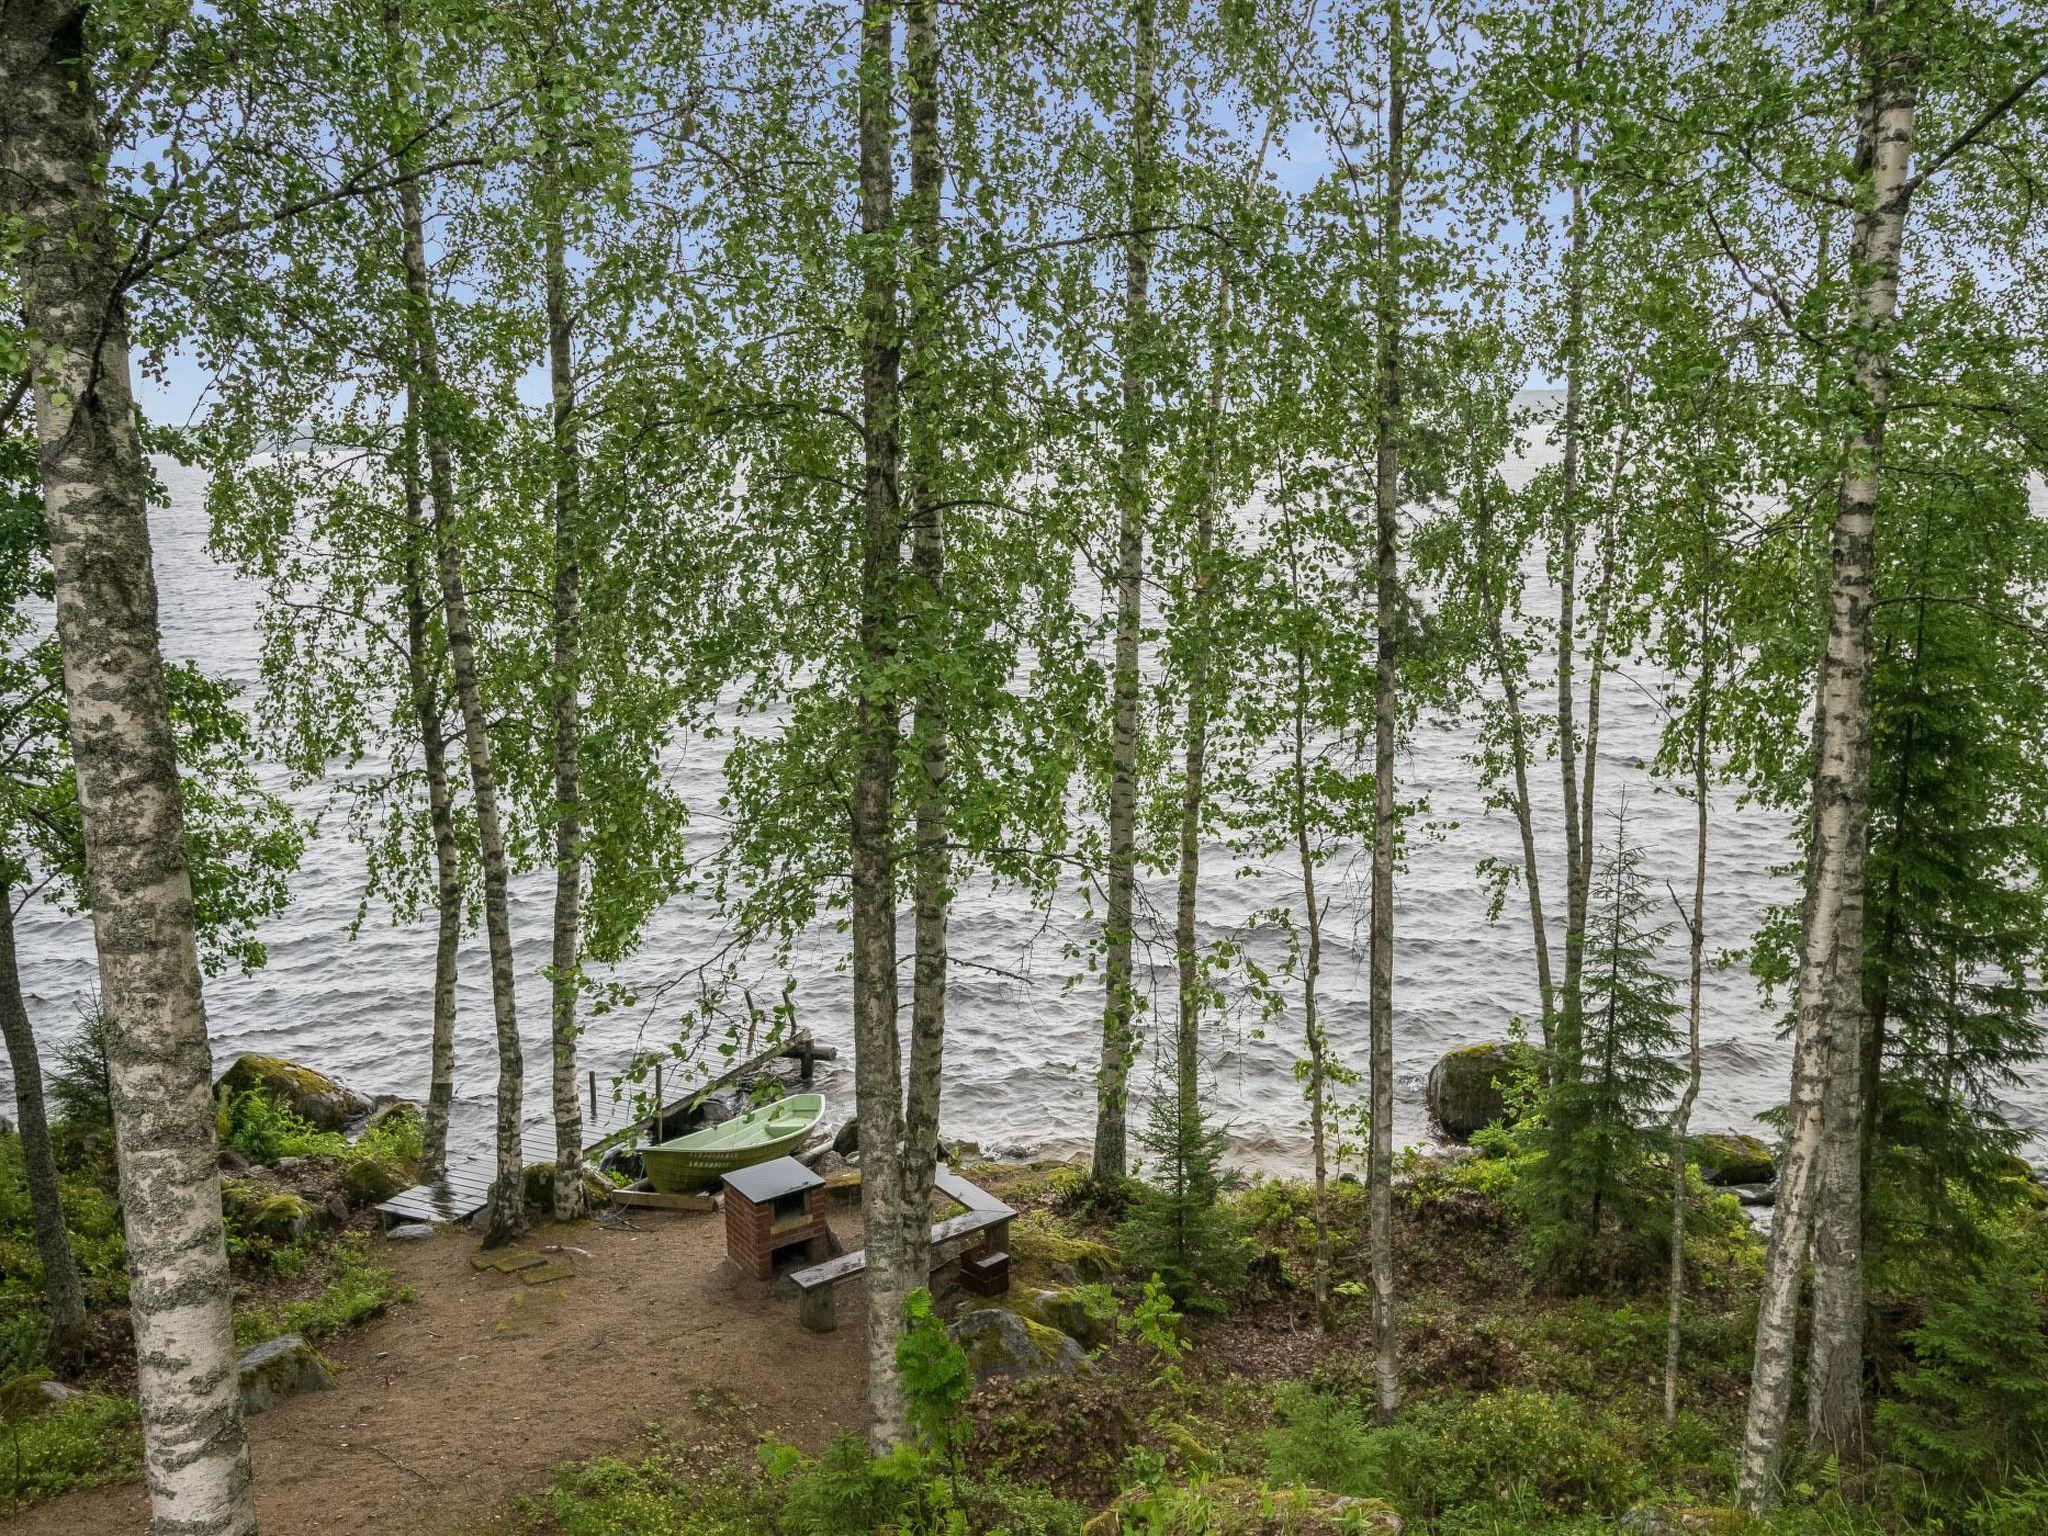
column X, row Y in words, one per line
column 1021, row 1040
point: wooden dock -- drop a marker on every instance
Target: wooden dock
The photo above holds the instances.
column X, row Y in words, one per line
column 608, row 1122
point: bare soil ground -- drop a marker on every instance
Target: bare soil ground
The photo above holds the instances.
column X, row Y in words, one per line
column 463, row 1399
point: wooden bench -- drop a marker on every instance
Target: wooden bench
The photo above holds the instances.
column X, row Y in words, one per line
column 983, row 1227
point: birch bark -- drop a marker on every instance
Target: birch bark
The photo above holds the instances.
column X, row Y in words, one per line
column 1493, row 614
column 566, row 949
column 892, row 1268
column 1386, row 502
column 1842, row 792
column 1133, row 447
column 422, row 673
column 1819, row 1196
column 195, row 1453
column 1313, row 1034
column 932, row 876
column 505, row 1216
column 1577, row 876
column 63, row 1297
column 1696, row 932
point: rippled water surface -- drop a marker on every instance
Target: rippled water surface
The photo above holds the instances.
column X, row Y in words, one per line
column 1021, row 1040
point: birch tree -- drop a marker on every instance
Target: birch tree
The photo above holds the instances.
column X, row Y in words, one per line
column 1133, row 448
column 95, row 498
column 428, row 403
column 1390, row 319
column 1890, row 50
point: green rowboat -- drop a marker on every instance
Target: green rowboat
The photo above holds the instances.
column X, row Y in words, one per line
column 774, row 1130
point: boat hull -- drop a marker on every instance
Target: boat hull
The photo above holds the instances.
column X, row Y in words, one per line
column 690, row 1163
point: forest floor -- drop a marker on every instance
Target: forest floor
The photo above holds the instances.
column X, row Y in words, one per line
column 466, row 1398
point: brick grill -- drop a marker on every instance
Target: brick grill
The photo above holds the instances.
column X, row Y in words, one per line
column 754, row 1234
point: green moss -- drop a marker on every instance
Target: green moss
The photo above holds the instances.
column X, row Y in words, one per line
column 286, row 1079
column 1229, row 1506
column 265, row 1218
column 1728, row 1158
column 367, row 1180
column 1086, row 1313
column 1189, row 1448
column 1045, row 1340
column 1041, row 1251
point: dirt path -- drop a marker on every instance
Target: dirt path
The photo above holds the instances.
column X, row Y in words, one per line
column 467, row 1396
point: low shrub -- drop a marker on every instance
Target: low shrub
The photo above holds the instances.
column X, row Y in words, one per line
column 84, row 1441
column 263, row 1130
column 1323, row 1442
column 1972, row 1411
column 356, row 1288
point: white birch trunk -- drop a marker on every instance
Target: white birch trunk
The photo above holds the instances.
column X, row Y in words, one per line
column 196, row 1456
column 566, row 624
column 505, row 1216
column 892, row 1268
column 1387, row 505
column 423, row 676
column 1819, row 1178
column 1119, row 1029
column 1696, row 932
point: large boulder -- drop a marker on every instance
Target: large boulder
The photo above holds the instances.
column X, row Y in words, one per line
column 260, row 1213
column 282, row 1368
column 998, row 1342
column 847, row 1142
column 392, row 1114
column 1049, row 1257
column 1468, row 1088
column 372, row 1180
column 312, row 1095
column 1229, row 1506
column 1085, row 1313
column 1684, row 1520
column 1730, row 1157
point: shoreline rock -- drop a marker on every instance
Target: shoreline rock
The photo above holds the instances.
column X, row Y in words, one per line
column 312, row 1095
column 1467, row 1088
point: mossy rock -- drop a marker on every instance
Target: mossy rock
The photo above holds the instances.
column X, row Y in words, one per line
column 1685, row 1520
column 1190, row 1449
column 1085, row 1313
column 281, row 1368
column 312, row 1095
column 390, row 1112
column 369, row 1180
column 537, row 1186
column 1000, row 1342
column 1040, row 1251
column 1731, row 1157
column 265, row 1215
column 1230, row 1506
column 1468, row 1088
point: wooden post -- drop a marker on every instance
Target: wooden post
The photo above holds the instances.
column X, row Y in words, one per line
column 593, row 1098
column 660, row 1120
column 819, row 1310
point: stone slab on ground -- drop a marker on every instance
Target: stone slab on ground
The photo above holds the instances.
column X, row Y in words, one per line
column 508, row 1261
column 410, row 1232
